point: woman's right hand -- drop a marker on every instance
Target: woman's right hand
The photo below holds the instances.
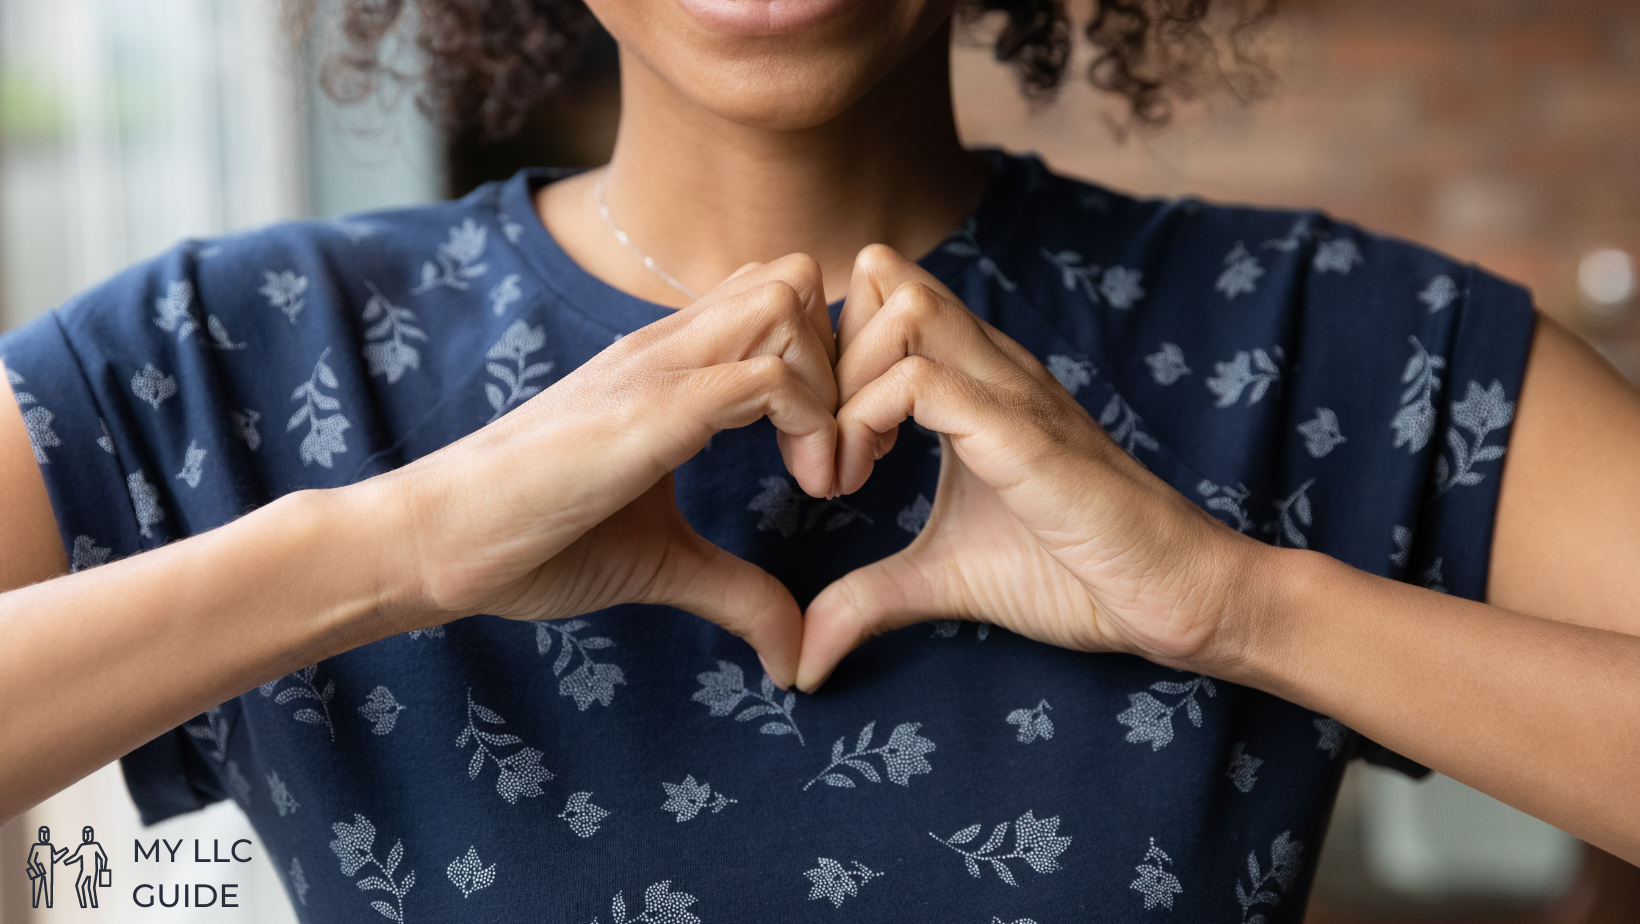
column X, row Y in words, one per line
column 564, row 505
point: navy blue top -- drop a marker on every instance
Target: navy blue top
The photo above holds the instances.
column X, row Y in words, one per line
column 1308, row 381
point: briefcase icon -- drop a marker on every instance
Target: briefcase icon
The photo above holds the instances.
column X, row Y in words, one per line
column 34, row 872
column 105, row 878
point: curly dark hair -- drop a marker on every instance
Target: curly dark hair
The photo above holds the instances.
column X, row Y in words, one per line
column 488, row 62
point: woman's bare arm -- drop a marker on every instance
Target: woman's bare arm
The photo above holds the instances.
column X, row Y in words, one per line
column 1534, row 695
column 199, row 620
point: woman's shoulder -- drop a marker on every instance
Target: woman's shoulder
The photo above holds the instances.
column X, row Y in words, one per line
column 1223, row 251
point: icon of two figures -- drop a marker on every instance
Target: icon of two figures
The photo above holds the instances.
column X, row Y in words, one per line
column 92, row 868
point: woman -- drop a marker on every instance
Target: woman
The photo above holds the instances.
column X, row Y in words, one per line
column 1208, row 468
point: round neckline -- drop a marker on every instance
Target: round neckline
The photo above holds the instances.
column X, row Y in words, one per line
column 621, row 311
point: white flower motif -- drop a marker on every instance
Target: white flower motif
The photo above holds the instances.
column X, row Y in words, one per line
column 1336, row 255
column 355, row 848
column 1033, row 723
column 88, row 554
column 306, row 688
column 1321, row 434
column 145, row 502
column 1036, row 841
column 171, row 310
column 298, row 880
column 902, row 756
column 505, row 293
column 381, row 710
column 591, row 681
column 192, row 465
column 1292, row 512
column 1481, row 412
column 283, row 801
column 324, row 437
column 1125, row 426
column 515, row 346
column 1257, row 369
column 387, row 350
column 153, row 385
column 244, row 424
column 37, row 420
column 1154, row 881
column 835, row 882
column 1167, row 364
column 457, row 262
column 1241, row 272
column 469, row 874
column 582, row 815
column 689, row 798
column 1072, row 372
column 1415, row 421
column 284, row 290
column 1228, row 499
column 1243, row 771
column 1120, row 286
column 1282, row 874
column 1329, row 735
column 520, row 771
column 661, row 905
column 1150, row 721
column 722, row 691
column 1440, row 292
column 913, row 518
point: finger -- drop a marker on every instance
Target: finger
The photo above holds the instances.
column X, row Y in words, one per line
column 867, row 601
column 933, row 394
column 739, row 596
column 739, row 393
column 916, row 320
column 777, row 307
column 800, row 273
column 878, row 271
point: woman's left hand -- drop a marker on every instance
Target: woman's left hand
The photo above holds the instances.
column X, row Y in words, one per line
column 1040, row 524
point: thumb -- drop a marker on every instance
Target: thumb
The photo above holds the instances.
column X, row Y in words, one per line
column 727, row 590
column 868, row 601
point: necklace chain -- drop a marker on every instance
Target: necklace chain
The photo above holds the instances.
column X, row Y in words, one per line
column 599, row 190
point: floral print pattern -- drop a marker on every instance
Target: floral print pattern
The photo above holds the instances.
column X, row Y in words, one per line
column 904, row 755
column 519, row 771
column 591, row 681
column 1036, row 841
column 724, row 690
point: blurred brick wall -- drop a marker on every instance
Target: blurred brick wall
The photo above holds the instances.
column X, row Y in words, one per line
column 1501, row 131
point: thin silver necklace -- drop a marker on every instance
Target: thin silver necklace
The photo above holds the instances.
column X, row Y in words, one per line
column 598, row 189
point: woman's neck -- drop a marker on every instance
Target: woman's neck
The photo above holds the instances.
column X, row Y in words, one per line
column 701, row 194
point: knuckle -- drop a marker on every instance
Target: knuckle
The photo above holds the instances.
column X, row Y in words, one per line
column 876, row 257
column 916, row 371
column 780, row 302
column 766, row 369
column 915, row 304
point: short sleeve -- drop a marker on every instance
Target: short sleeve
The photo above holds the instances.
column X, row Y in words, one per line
column 1478, row 366
column 99, row 383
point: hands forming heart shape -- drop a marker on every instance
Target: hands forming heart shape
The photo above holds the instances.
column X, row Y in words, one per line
column 1040, row 524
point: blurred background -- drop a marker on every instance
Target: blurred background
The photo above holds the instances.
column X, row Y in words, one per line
column 1501, row 131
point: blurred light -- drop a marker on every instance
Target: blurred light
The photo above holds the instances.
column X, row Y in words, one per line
column 1606, row 279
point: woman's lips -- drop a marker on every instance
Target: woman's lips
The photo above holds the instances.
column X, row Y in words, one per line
column 762, row 17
